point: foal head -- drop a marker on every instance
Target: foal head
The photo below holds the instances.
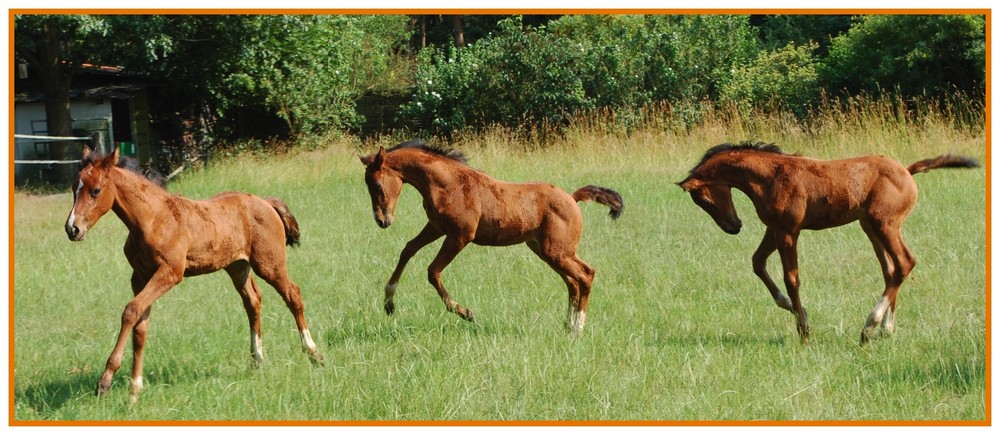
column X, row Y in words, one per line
column 717, row 201
column 93, row 193
column 709, row 186
column 384, row 185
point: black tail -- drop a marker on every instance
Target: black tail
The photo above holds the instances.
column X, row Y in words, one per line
column 601, row 195
column 943, row 161
column 287, row 220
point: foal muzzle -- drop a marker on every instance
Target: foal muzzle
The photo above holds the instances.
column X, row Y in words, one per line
column 733, row 227
column 384, row 220
column 74, row 232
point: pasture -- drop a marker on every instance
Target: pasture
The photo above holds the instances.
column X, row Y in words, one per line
column 678, row 329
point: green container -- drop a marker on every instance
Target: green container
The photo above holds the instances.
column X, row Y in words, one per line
column 127, row 149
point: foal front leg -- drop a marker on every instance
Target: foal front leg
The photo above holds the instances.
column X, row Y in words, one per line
column 790, row 262
column 451, row 247
column 426, row 236
column 136, row 311
column 767, row 246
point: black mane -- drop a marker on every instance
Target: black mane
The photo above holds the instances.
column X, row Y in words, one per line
column 130, row 164
column 452, row 154
column 745, row 145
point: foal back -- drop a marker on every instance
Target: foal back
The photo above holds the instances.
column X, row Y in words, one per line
column 820, row 194
column 230, row 227
column 511, row 213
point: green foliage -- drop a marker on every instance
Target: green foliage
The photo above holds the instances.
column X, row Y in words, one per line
column 777, row 31
column 911, row 54
column 309, row 69
column 526, row 77
column 261, row 76
column 784, row 79
column 92, row 39
column 512, row 78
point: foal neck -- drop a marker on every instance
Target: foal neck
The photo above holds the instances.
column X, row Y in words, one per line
column 748, row 173
column 136, row 198
column 422, row 170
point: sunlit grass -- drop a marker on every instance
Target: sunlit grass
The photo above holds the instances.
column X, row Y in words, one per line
column 679, row 328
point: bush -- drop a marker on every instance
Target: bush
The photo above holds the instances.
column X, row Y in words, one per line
column 784, row 79
column 914, row 54
column 513, row 78
column 525, row 78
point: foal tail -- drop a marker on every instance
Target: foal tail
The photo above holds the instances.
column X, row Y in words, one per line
column 943, row 161
column 287, row 220
column 601, row 195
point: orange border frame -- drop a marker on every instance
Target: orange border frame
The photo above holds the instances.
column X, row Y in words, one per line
column 546, row 423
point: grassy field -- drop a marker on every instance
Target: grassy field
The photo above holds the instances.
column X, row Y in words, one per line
column 679, row 329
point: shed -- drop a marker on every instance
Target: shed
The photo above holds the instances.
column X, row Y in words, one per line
column 105, row 104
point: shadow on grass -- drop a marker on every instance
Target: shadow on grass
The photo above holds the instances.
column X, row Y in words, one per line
column 37, row 400
column 394, row 330
column 43, row 401
column 727, row 340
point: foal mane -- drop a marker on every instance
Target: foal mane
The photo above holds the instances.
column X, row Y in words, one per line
column 742, row 146
column 130, row 164
column 418, row 144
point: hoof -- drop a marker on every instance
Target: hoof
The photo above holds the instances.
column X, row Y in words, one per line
column 865, row 338
column 102, row 390
column 316, row 359
column 468, row 316
column 389, row 307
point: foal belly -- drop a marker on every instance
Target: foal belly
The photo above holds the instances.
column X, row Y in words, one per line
column 499, row 236
column 824, row 219
column 503, row 232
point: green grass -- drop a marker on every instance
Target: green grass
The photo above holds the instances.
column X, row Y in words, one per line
column 679, row 328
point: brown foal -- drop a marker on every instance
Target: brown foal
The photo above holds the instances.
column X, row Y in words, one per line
column 171, row 237
column 792, row 193
column 466, row 206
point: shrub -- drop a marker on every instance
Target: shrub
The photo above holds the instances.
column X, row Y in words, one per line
column 784, row 79
column 916, row 54
column 523, row 78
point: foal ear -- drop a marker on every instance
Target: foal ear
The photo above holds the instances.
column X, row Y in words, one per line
column 689, row 184
column 87, row 157
column 376, row 158
column 111, row 160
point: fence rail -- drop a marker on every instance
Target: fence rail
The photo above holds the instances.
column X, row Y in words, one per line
column 40, row 138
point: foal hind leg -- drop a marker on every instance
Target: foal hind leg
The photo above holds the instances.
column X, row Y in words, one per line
column 277, row 276
column 583, row 277
column 239, row 272
column 579, row 278
column 764, row 250
column 897, row 261
column 426, row 236
column 451, row 247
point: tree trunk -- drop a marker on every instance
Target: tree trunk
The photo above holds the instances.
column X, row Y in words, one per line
column 459, row 30
column 56, row 82
column 423, row 31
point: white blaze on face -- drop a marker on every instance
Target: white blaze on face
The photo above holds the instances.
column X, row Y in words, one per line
column 72, row 211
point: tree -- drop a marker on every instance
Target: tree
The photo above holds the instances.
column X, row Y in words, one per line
column 58, row 47
column 912, row 54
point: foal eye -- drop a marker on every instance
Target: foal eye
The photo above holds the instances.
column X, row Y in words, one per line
column 95, row 191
